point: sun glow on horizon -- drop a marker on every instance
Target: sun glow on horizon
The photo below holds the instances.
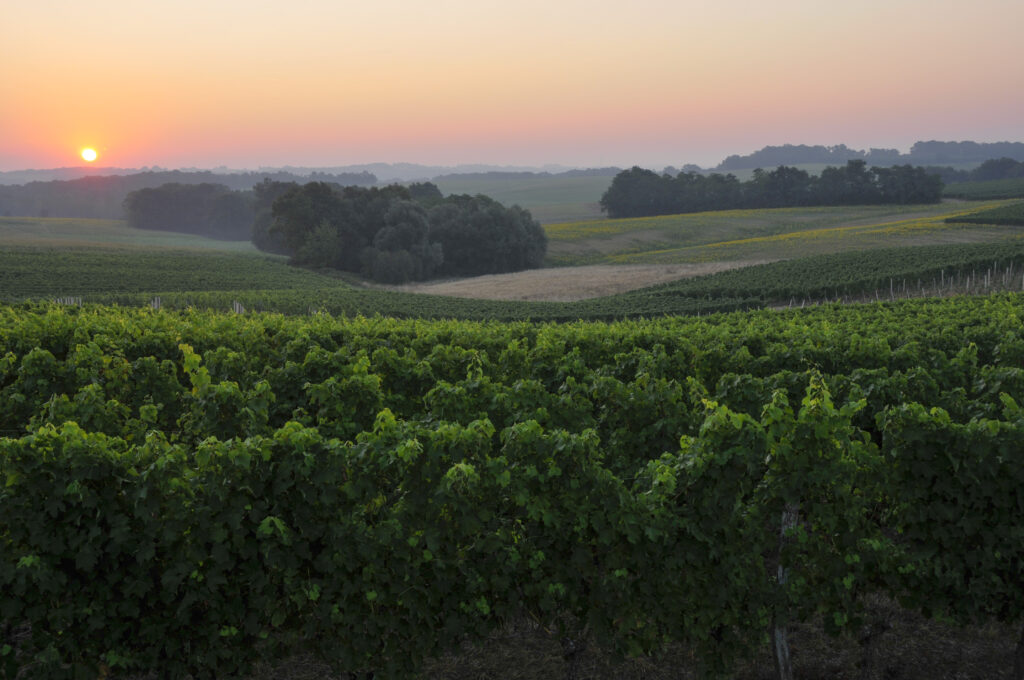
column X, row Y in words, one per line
column 653, row 83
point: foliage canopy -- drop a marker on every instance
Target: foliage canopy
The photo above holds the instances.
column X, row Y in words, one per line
column 637, row 192
column 396, row 234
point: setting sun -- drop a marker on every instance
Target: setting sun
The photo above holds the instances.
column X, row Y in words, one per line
column 89, row 155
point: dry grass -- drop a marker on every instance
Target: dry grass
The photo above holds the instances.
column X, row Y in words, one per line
column 567, row 284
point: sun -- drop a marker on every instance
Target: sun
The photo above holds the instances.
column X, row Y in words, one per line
column 89, row 155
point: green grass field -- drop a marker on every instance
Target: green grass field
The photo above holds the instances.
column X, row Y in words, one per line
column 72, row 232
column 27, row 271
column 776, row 234
column 983, row 191
column 549, row 199
column 106, row 261
column 1005, row 215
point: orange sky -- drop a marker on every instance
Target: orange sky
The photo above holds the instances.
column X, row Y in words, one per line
column 652, row 82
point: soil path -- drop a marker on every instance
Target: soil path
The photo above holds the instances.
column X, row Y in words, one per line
column 567, row 284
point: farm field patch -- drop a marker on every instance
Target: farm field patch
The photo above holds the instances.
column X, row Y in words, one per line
column 987, row 190
column 772, row 234
column 565, row 284
column 549, row 199
column 74, row 232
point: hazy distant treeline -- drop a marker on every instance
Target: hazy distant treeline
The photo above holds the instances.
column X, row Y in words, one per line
column 921, row 153
column 211, row 210
column 384, row 172
column 527, row 174
column 638, row 192
column 103, row 197
column 998, row 168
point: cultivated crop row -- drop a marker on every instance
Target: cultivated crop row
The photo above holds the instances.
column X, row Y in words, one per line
column 193, row 492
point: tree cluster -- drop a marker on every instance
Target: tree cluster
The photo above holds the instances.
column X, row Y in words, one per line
column 396, row 234
column 993, row 169
column 211, row 210
column 964, row 152
column 638, row 192
column 921, row 153
column 264, row 195
column 794, row 154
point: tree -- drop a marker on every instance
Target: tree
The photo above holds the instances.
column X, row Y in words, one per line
column 480, row 236
column 210, row 210
column 637, row 193
column 784, row 186
column 999, row 168
column 904, row 184
column 401, row 251
column 323, row 247
column 387, row 235
column 425, row 192
column 264, row 195
column 849, row 185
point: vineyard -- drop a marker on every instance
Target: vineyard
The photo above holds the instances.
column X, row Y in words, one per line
column 986, row 191
column 33, row 272
column 59, row 232
column 765, row 234
column 222, row 281
column 191, row 492
column 1012, row 215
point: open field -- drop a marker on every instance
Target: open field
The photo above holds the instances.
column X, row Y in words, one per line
column 717, row 264
column 566, row 284
column 549, row 199
column 75, row 272
column 983, row 191
column 1006, row 215
column 72, row 232
column 782, row 233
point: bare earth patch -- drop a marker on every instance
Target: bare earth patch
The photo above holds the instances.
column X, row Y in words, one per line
column 567, row 284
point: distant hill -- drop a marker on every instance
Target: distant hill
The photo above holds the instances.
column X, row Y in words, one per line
column 66, row 174
column 510, row 174
column 921, row 153
column 384, row 172
column 101, row 196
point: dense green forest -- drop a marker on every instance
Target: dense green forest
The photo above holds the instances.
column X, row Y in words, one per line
column 396, row 234
column 638, row 192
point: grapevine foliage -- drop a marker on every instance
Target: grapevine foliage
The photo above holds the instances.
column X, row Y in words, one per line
column 193, row 492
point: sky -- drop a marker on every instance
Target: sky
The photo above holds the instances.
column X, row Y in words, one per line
column 591, row 83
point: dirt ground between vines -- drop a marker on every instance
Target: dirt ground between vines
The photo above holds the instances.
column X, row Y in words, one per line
column 900, row 645
column 568, row 284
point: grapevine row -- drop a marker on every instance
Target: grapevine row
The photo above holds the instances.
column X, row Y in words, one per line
column 195, row 492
